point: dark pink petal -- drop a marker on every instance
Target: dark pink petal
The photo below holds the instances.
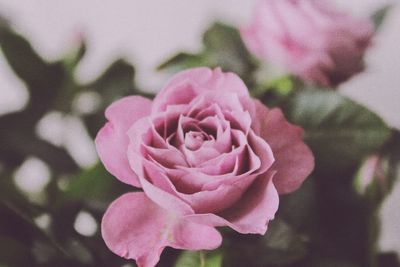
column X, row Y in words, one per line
column 252, row 213
column 293, row 159
column 186, row 85
column 136, row 228
column 112, row 140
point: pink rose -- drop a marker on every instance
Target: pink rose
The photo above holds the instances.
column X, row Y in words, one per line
column 309, row 38
column 205, row 154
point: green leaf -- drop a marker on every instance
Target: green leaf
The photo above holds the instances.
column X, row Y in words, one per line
column 222, row 47
column 116, row 82
column 227, row 49
column 300, row 217
column 380, row 15
column 74, row 56
column 340, row 132
column 16, row 143
column 183, row 61
column 42, row 79
column 392, row 155
column 95, row 183
column 199, row 259
column 281, row 245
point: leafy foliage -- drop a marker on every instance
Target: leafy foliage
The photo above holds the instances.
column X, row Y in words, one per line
column 52, row 87
column 223, row 47
column 334, row 123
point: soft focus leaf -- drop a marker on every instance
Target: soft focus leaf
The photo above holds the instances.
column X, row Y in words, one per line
column 380, row 15
column 339, row 131
column 73, row 58
column 392, row 154
column 199, row 259
column 17, row 144
column 222, row 47
column 116, row 82
column 281, row 246
column 227, row 49
column 41, row 78
column 183, row 61
column 300, row 217
column 96, row 184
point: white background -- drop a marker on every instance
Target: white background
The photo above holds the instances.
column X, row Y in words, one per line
column 147, row 31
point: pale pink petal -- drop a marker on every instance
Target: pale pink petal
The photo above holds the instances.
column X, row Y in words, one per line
column 293, row 159
column 112, row 140
column 186, row 85
column 136, row 228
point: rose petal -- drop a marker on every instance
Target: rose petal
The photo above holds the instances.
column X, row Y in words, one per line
column 134, row 227
column 293, row 159
column 112, row 141
column 203, row 201
column 196, row 81
column 252, row 213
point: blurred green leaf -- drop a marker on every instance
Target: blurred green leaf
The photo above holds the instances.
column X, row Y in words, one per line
column 44, row 81
column 183, row 61
column 96, row 183
column 300, row 217
column 392, row 154
column 17, row 144
column 282, row 245
column 41, row 78
column 52, row 87
column 76, row 54
column 380, row 15
column 223, row 47
column 114, row 83
column 227, row 49
column 340, row 132
column 199, row 259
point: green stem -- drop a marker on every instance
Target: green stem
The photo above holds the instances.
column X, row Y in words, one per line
column 202, row 259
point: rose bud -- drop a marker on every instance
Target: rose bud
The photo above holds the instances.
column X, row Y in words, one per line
column 309, row 38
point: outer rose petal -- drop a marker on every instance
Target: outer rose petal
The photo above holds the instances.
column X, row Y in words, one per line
column 112, row 140
column 293, row 159
column 186, row 85
column 251, row 214
column 134, row 227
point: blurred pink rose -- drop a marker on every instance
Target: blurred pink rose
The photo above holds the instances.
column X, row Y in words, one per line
column 205, row 154
column 309, row 38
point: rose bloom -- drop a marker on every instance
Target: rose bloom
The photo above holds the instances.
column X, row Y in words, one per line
column 309, row 38
column 205, row 154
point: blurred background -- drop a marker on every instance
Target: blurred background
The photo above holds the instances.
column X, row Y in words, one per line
column 144, row 33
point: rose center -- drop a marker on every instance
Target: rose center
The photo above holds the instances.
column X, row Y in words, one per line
column 194, row 140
